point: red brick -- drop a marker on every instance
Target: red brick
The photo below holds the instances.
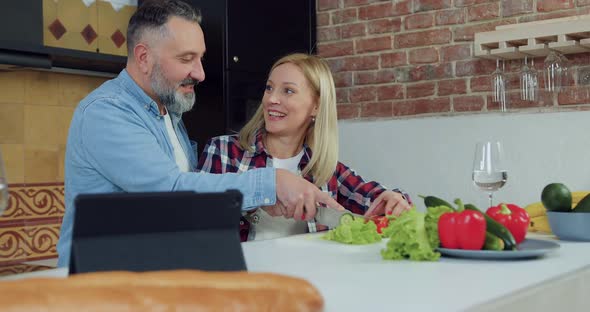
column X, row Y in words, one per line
column 511, row 7
column 455, row 52
column 421, row 106
column 342, row 95
column 422, row 38
column 462, row 3
column 363, row 94
column 353, row 30
column 379, row 109
column 380, row 26
column 418, row 90
column 423, row 56
column 374, row 77
column 375, row 11
column 344, row 16
column 343, row 79
column 428, row 5
column 466, row 33
column 390, row 92
column 327, row 4
column 393, row 59
column 340, row 48
column 482, row 83
column 416, row 21
column 328, row 33
column 468, row 103
column 351, row 3
column 322, row 19
column 430, row 72
column 373, row 44
column 453, row 86
column 554, row 5
column 354, row 63
column 450, row 17
column 483, row 12
column 475, row 67
column 582, row 2
column 348, row 111
column 544, row 99
column 574, row 95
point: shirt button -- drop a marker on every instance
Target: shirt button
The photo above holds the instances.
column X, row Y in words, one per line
column 241, row 222
column 158, row 117
column 146, row 107
column 266, row 200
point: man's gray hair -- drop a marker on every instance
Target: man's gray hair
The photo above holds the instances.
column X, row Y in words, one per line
column 152, row 15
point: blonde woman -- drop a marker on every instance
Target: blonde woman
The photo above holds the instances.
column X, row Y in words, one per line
column 295, row 128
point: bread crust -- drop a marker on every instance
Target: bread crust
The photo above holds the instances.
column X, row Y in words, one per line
column 180, row 290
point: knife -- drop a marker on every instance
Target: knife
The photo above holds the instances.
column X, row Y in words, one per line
column 331, row 217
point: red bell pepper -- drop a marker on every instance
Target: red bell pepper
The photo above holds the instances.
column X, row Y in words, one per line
column 381, row 223
column 513, row 217
column 462, row 230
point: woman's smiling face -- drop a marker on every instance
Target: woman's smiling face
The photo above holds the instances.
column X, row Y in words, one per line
column 289, row 102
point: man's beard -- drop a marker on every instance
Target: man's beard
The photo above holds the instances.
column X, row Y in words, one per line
column 175, row 101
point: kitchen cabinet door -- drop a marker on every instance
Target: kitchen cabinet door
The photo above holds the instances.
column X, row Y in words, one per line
column 261, row 31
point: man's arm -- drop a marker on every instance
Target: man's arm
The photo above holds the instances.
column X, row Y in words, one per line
column 124, row 150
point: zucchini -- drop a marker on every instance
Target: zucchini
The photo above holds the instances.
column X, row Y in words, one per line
column 433, row 201
column 583, row 205
column 497, row 229
column 493, row 242
column 346, row 218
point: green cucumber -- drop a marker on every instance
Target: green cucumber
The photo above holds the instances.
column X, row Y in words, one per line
column 497, row 229
column 493, row 242
column 346, row 218
column 433, row 201
column 583, row 205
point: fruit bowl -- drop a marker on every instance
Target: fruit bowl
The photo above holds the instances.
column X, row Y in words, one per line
column 570, row 225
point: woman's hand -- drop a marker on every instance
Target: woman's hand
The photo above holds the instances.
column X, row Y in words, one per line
column 388, row 202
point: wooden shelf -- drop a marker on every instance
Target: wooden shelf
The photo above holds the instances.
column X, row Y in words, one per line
column 567, row 35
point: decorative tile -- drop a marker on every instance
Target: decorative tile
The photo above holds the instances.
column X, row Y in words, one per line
column 30, row 225
column 118, row 38
column 6, row 270
column 57, row 29
column 89, row 34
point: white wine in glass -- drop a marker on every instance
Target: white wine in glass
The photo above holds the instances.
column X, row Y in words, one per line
column 3, row 187
column 489, row 174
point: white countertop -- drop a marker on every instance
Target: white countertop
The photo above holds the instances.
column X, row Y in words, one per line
column 355, row 278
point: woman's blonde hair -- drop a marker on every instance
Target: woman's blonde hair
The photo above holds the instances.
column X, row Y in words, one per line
column 322, row 135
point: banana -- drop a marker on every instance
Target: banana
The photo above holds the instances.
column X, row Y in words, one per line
column 535, row 209
column 540, row 224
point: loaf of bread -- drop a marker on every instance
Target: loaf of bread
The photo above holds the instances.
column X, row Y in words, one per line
column 181, row 290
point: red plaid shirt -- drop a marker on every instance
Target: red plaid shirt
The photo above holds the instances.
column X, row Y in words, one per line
column 223, row 154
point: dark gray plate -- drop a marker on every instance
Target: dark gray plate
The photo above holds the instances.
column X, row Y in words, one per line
column 529, row 248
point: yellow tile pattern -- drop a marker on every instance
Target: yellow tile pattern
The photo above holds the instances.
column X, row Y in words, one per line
column 35, row 114
column 31, row 203
column 109, row 21
column 75, row 16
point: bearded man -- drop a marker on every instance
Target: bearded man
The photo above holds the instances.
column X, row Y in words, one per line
column 127, row 135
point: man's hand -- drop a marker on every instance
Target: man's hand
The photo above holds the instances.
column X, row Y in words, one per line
column 299, row 197
column 388, row 202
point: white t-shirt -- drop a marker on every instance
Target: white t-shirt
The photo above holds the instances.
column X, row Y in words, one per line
column 179, row 155
column 269, row 227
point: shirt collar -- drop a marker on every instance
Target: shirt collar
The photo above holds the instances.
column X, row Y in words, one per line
column 259, row 148
column 138, row 93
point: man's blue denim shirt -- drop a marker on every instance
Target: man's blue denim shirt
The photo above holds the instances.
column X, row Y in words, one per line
column 118, row 142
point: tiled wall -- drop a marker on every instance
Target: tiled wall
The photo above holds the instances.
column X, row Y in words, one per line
column 35, row 112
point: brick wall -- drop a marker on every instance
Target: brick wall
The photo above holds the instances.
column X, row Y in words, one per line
column 412, row 57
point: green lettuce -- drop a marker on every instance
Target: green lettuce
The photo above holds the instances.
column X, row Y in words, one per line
column 408, row 239
column 431, row 223
column 357, row 232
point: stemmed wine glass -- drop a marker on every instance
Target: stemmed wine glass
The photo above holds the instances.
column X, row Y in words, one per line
column 489, row 173
column 3, row 187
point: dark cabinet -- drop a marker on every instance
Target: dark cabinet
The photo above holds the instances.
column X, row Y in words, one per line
column 243, row 39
